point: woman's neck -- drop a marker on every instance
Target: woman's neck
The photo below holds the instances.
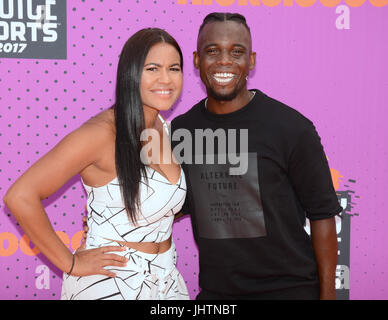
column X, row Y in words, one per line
column 150, row 115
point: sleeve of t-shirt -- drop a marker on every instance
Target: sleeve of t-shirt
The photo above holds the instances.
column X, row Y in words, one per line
column 310, row 176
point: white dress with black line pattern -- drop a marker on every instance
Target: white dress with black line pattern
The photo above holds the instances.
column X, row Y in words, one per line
column 146, row 276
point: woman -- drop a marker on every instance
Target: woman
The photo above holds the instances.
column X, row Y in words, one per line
column 131, row 204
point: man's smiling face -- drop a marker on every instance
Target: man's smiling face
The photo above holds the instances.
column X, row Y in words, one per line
column 224, row 58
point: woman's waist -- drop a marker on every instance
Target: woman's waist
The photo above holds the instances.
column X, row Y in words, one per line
column 147, row 247
column 150, row 246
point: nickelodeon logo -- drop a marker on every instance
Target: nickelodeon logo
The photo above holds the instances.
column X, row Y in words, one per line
column 286, row 3
column 9, row 243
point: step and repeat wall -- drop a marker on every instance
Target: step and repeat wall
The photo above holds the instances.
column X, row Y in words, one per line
column 325, row 58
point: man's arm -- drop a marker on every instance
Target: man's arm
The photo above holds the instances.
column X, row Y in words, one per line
column 310, row 176
column 324, row 240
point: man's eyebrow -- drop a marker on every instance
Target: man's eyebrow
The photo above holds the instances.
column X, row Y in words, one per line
column 240, row 45
column 234, row 45
column 210, row 45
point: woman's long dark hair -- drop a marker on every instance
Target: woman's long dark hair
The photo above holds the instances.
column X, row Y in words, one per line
column 129, row 115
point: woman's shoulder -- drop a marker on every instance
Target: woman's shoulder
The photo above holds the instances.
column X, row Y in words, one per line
column 96, row 132
column 103, row 121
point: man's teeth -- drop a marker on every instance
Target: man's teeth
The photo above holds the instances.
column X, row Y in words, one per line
column 223, row 77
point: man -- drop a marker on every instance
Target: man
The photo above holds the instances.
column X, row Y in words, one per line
column 249, row 226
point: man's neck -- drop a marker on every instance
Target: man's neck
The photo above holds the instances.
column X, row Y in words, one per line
column 228, row 106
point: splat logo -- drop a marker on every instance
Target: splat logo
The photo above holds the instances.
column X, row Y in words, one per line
column 33, row 29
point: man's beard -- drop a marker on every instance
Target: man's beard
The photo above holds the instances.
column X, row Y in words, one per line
column 222, row 97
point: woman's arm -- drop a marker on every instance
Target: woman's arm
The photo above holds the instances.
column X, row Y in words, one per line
column 72, row 155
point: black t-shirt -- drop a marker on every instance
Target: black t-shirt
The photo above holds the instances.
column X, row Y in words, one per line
column 249, row 227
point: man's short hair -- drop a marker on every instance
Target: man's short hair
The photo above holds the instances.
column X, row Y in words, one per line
column 224, row 16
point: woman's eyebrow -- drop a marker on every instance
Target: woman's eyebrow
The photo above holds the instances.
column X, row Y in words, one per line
column 153, row 64
column 159, row 65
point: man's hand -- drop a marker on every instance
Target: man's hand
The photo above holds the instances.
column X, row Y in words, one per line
column 178, row 215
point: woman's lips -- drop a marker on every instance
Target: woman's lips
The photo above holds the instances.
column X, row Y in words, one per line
column 162, row 93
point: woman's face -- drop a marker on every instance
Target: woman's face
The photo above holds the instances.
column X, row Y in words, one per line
column 161, row 80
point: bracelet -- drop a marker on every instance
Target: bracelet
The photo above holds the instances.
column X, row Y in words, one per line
column 72, row 265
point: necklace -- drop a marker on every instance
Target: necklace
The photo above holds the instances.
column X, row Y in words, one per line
column 253, row 94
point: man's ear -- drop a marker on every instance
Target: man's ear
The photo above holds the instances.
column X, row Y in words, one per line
column 252, row 61
column 196, row 59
